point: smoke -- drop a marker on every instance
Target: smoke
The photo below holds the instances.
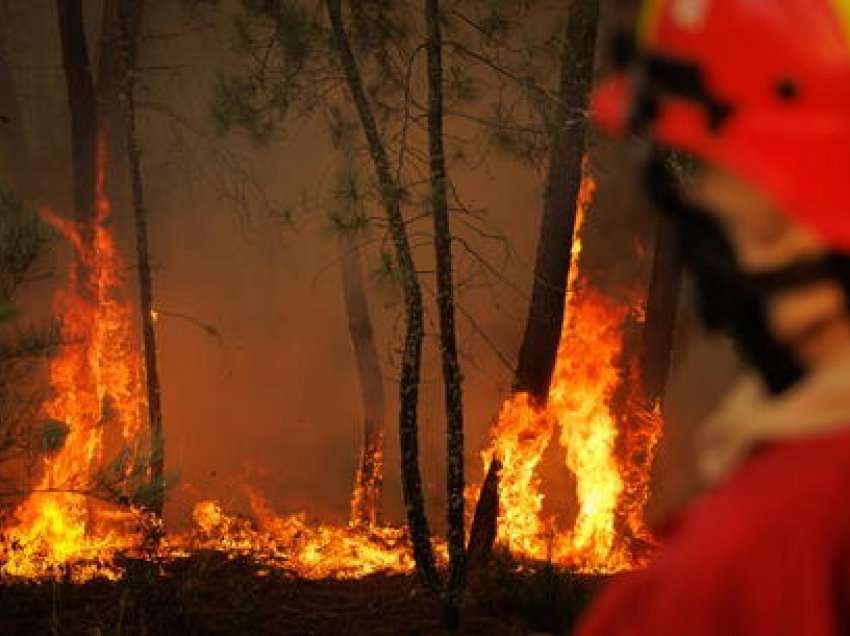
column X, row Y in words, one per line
column 258, row 380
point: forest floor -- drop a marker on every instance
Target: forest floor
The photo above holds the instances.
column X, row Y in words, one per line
column 209, row 594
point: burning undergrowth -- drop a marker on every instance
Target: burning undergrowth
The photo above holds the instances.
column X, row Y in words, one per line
column 89, row 511
column 607, row 432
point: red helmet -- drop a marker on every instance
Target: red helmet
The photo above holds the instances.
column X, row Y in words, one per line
column 759, row 87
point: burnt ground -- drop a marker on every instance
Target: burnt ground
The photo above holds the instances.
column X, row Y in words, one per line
column 211, row 595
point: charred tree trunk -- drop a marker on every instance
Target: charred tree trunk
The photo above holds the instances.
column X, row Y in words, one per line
column 15, row 158
column 129, row 14
column 545, row 317
column 452, row 379
column 83, row 108
column 110, row 87
column 661, row 311
column 412, row 357
column 539, row 349
column 482, row 535
column 368, row 484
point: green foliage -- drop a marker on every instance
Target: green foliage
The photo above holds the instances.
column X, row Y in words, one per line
column 348, row 210
column 387, row 271
column 342, row 129
column 23, row 239
column 7, row 312
column 291, row 64
column 234, row 106
column 23, row 347
column 461, row 85
column 509, row 136
column 286, row 49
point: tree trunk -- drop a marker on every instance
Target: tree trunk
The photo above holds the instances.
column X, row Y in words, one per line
column 129, row 14
column 368, row 485
column 661, row 311
column 411, row 362
column 452, row 380
column 545, row 317
column 485, row 526
column 83, row 108
column 110, row 87
column 15, row 158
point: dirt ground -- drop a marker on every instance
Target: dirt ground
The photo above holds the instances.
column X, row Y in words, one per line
column 211, row 595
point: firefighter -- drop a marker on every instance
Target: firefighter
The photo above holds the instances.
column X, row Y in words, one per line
column 756, row 94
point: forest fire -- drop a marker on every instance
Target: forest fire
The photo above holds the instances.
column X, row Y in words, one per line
column 72, row 522
column 586, row 379
column 294, row 544
column 76, row 521
column 234, row 279
column 96, row 394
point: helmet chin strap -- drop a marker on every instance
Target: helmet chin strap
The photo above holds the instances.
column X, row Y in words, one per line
column 731, row 299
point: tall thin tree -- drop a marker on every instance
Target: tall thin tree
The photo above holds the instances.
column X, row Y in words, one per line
column 15, row 156
column 110, row 80
column 83, row 108
column 129, row 18
column 544, row 322
column 411, row 362
column 368, row 485
column 661, row 312
column 452, row 379
column 539, row 347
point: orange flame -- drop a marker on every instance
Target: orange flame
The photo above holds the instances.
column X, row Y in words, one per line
column 293, row 543
column 95, row 386
column 63, row 530
column 611, row 486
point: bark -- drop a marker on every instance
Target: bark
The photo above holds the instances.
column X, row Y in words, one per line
column 539, row 349
column 129, row 12
column 546, row 312
column 412, row 356
column 368, row 486
column 83, row 109
column 661, row 312
column 110, row 87
column 452, row 380
column 15, row 159
column 482, row 535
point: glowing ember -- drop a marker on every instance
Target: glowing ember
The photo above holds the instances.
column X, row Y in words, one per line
column 365, row 500
column 611, row 486
column 292, row 543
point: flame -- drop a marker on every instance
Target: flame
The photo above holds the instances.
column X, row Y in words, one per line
column 611, row 485
column 365, row 498
column 95, row 390
column 67, row 529
column 293, row 543
column 63, row 531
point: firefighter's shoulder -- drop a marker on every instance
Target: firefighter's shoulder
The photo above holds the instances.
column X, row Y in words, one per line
column 765, row 552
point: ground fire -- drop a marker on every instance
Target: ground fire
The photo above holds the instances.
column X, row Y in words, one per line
column 72, row 524
column 610, row 488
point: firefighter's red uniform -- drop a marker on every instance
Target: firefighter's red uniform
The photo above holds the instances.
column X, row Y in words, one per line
column 762, row 89
column 766, row 552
